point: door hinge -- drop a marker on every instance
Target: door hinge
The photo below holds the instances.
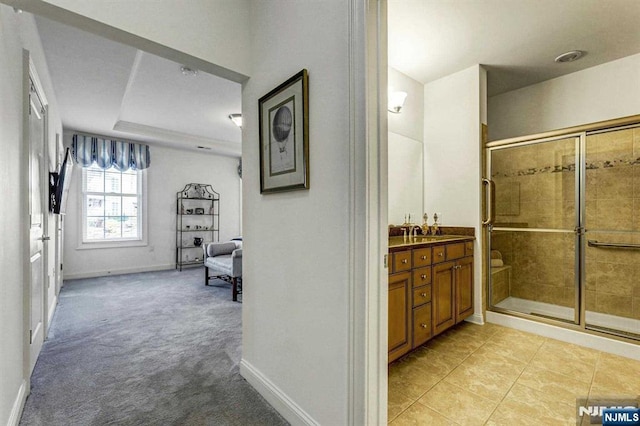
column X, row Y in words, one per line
column 386, row 261
column 30, row 336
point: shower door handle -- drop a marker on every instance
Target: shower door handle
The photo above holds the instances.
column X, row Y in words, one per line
column 490, row 201
column 594, row 243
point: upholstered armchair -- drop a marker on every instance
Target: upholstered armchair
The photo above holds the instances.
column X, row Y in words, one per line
column 224, row 260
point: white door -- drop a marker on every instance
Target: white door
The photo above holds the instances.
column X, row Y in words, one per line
column 36, row 237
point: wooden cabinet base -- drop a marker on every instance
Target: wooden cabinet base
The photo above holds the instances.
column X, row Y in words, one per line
column 430, row 290
column 399, row 315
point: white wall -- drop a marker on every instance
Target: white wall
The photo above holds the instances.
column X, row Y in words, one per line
column 454, row 110
column 296, row 261
column 406, row 131
column 17, row 32
column 603, row 92
column 170, row 171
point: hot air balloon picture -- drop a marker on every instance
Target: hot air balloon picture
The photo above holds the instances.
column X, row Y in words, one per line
column 284, row 136
column 281, row 147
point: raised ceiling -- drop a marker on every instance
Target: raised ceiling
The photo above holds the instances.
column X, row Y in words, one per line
column 111, row 89
column 106, row 88
column 517, row 40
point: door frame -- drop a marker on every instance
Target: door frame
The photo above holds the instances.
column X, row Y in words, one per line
column 30, row 75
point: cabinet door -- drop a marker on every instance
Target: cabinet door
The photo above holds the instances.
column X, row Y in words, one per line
column 464, row 288
column 443, row 283
column 399, row 315
column 421, row 324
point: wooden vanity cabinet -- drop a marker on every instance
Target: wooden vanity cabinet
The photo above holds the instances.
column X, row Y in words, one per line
column 430, row 290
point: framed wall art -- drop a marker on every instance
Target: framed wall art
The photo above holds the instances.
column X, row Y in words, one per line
column 284, row 136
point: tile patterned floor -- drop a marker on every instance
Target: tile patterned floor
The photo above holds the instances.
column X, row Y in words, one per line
column 493, row 375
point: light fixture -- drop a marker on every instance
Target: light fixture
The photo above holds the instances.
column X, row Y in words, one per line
column 188, row 71
column 237, row 119
column 396, row 101
column 571, row 56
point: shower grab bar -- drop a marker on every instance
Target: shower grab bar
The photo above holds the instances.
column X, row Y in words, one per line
column 491, row 214
column 594, row 243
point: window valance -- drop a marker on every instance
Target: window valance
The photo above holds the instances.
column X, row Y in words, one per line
column 106, row 153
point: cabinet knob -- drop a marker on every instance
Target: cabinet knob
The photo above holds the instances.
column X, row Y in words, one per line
column 423, row 294
column 423, row 276
column 423, row 325
column 423, row 257
column 440, row 254
column 404, row 260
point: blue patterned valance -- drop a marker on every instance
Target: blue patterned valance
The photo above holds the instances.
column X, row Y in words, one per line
column 105, row 153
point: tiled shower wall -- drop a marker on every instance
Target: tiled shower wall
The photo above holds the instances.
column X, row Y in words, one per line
column 613, row 215
column 535, row 188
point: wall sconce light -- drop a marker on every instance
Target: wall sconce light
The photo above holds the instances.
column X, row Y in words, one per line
column 237, row 119
column 396, row 101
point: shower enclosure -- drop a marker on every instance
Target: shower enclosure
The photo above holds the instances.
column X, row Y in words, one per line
column 563, row 227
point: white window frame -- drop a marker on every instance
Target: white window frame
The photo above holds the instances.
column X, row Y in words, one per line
column 141, row 241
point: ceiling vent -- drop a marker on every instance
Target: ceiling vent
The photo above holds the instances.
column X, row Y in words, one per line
column 571, row 56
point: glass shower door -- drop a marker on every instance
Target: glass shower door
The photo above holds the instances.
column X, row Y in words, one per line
column 612, row 236
column 532, row 239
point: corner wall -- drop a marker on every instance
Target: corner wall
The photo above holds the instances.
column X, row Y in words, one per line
column 296, row 262
column 454, row 110
column 169, row 172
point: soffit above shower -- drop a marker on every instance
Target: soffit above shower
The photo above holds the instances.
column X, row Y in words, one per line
column 517, row 41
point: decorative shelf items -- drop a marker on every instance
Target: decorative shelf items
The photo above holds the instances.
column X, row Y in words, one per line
column 198, row 222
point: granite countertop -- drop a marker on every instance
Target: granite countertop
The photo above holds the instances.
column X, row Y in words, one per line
column 402, row 243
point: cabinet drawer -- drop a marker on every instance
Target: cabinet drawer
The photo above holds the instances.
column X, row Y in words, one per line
column 421, row 276
column 468, row 248
column 421, row 295
column 455, row 251
column 438, row 254
column 402, row 261
column 421, row 257
column 421, row 324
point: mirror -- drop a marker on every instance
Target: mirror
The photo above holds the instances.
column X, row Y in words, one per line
column 406, row 151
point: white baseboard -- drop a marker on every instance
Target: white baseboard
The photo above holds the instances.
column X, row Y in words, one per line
column 18, row 405
column 52, row 310
column 476, row 319
column 579, row 338
column 108, row 272
column 284, row 405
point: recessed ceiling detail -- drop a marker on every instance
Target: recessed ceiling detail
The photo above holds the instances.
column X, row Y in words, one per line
column 107, row 88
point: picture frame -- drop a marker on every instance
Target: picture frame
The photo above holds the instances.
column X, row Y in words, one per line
column 284, row 136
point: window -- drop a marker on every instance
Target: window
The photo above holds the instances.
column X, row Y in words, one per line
column 112, row 205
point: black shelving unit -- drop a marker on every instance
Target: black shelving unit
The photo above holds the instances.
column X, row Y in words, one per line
column 198, row 216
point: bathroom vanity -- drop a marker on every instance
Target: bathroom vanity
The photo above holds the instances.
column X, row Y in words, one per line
column 430, row 288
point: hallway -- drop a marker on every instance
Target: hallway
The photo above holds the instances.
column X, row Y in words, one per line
column 149, row 348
